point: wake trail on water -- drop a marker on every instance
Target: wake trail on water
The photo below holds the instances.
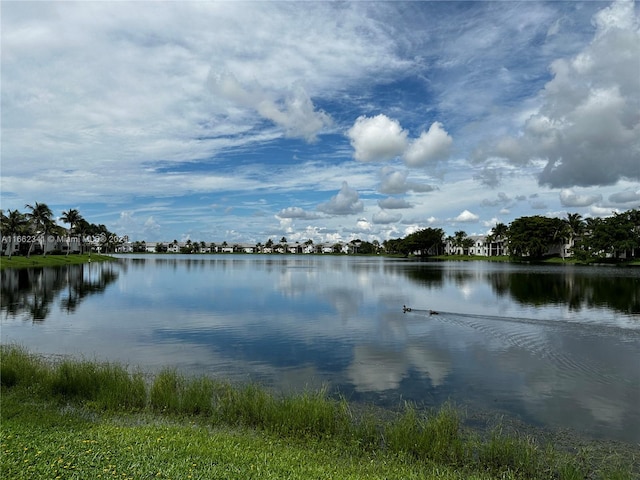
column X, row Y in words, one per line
column 523, row 333
column 576, row 323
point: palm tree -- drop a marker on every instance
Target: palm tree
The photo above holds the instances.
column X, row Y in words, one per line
column 40, row 219
column 576, row 226
column 13, row 223
column 498, row 235
column 458, row 239
column 72, row 217
column 82, row 228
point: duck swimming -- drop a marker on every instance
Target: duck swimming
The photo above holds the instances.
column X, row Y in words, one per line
column 405, row 309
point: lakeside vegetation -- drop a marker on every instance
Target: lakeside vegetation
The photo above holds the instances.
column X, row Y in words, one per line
column 51, row 260
column 535, row 238
column 584, row 240
column 549, row 260
column 86, row 419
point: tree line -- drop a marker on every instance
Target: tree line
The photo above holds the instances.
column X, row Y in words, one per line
column 537, row 236
column 34, row 229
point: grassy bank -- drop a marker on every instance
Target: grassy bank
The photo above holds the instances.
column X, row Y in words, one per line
column 81, row 419
column 50, row 260
column 550, row 260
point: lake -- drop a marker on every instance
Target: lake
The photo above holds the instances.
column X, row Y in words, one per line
column 552, row 346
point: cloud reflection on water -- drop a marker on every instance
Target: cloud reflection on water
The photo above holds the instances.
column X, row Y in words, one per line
column 565, row 359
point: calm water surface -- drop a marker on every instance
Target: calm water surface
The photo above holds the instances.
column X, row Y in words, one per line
column 554, row 346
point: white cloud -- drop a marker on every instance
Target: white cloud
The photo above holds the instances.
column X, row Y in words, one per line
column 587, row 128
column 393, row 203
column 596, row 211
column 570, row 199
column 381, row 138
column 395, row 182
column 377, row 138
column 467, row 216
column 429, row 147
column 347, row 201
column 362, row 226
column 297, row 213
column 295, row 113
column 384, row 217
column 626, row 196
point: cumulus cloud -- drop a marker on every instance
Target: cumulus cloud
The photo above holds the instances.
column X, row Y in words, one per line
column 596, row 211
column 347, row 201
column 362, row 226
column 502, row 199
column 384, row 217
column 381, row 138
column 432, row 145
column 395, row 182
column 626, row 196
column 587, row 128
column 297, row 213
column 467, row 216
column 377, row 138
column 392, row 203
column 295, row 113
column 570, row 199
column 538, row 205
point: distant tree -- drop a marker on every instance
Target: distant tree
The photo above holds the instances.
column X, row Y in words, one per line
column 72, row 217
column 366, row 248
column 467, row 244
column 394, row 246
column 188, row 247
column 40, row 219
column 12, row 225
column 535, row 236
column 497, row 237
column 458, row 238
column 429, row 241
column 575, row 223
column 83, row 229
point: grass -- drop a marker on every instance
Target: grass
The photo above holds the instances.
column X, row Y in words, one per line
column 17, row 261
column 551, row 260
column 84, row 419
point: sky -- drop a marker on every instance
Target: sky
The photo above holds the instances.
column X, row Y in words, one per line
column 329, row 121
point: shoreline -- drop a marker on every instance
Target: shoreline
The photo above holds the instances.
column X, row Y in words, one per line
column 18, row 261
column 92, row 388
column 55, row 260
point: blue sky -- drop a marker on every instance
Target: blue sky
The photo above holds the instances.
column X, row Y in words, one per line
column 243, row 121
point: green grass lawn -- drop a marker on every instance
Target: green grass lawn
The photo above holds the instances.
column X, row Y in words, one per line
column 44, row 441
column 81, row 419
column 50, row 260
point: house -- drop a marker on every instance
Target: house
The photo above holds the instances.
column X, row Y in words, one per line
column 126, row 247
